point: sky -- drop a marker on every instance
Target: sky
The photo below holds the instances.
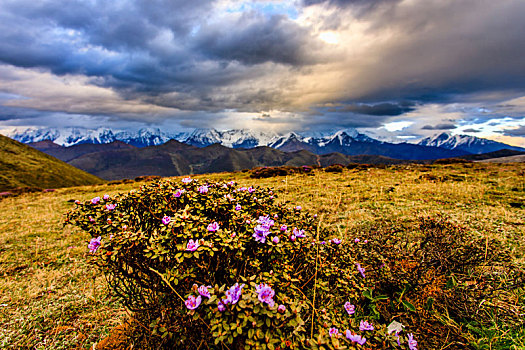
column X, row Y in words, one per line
column 394, row 69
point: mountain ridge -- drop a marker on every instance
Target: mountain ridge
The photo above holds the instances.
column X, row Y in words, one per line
column 25, row 166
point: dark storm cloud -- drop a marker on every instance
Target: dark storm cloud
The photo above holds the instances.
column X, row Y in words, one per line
column 257, row 40
column 439, row 127
column 472, row 130
column 520, row 131
column 154, row 50
column 380, row 109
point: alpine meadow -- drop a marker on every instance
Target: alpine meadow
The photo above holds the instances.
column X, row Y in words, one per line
column 369, row 254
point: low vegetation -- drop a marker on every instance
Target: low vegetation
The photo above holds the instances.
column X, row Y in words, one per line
column 436, row 248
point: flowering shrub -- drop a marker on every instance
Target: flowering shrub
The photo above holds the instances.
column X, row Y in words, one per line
column 228, row 267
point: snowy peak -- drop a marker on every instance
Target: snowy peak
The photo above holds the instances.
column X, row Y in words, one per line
column 74, row 136
column 64, row 136
column 236, row 138
column 471, row 144
column 339, row 138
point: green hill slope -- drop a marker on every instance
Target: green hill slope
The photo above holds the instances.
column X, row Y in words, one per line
column 24, row 166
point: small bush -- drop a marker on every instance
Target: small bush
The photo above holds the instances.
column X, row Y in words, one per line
column 266, row 172
column 147, row 178
column 335, row 168
column 216, row 265
column 445, row 161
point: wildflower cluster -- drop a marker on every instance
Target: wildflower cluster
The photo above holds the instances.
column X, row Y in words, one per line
column 226, row 264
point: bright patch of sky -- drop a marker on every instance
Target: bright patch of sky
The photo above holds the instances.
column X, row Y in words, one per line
column 269, row 8
column 397, row 126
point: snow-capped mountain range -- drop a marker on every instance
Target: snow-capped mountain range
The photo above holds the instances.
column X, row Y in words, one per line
column 465, row 143
column 239, row 138
column 74, row 136
column 348, row 141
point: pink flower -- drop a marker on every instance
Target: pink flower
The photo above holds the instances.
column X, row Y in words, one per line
column 231, row 183
column 233, row 294
column 361, row 270
column 192, row 302
column 412, row 343
column 238, row 207
column 91, row 219
column 275, row 240
column 298, row 207
column 203, row 290
column 355, row 338
column 110, row 206
column 349, row 308
column 333, row 331
column 265, row 294
column 260, row 232
column 192, row 245
column 166, row 220
column 298, row 233
column 281, row 308
column 251, row 189
column 77, row 202
column 284, row 228
column 95, row 200
column 187, row 180
column 356, row 240
column 220, row 306
column 94, row 244
column 106, row 197
column 203, row 189
column 292, row 237
column 242, row 189
column 179, row 193
column 365, row 326
column 213, row 227
column 336, row 241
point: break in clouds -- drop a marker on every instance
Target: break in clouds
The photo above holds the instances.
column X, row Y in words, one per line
column 283, row 65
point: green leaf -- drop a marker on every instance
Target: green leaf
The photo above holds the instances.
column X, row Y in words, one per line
column 409, row 306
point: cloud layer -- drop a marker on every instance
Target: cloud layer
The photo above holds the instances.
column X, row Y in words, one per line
column 303, row 64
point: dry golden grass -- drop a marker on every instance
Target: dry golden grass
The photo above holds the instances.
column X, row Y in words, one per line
column 51, row 298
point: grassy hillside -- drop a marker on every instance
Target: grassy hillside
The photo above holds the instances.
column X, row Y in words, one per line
column 24, row 166
column 51, row 297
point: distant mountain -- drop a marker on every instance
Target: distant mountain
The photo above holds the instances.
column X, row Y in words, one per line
column 67, row 154
column 148, row 137
column 75, row 136
column 470, row 144
column 24, row 166
column 348, row 142
column 238, row 138
column 175, row 158
column 351, row 142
